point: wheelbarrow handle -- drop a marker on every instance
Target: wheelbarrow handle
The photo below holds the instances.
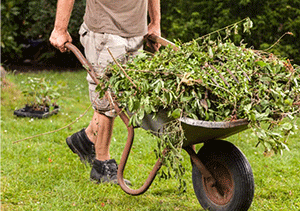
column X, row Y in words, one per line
column 83, row 61
column 162, row 41
column 130, row 129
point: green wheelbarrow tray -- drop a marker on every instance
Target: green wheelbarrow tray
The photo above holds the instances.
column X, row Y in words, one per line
column 195, row 131
column 218, row 189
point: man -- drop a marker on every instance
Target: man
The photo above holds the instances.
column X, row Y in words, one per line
column 120, row 26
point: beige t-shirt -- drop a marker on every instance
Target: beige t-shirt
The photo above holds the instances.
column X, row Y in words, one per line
column 126, row 18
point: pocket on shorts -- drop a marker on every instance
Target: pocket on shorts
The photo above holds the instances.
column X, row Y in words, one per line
column 83, row 32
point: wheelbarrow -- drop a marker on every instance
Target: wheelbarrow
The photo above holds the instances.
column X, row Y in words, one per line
column 221, row 174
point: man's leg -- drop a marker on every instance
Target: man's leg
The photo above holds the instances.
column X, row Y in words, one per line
column 92, row 130
column 104, row 133
column 104, row 169
column 99, row 132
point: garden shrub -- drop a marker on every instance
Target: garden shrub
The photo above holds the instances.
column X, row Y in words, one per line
column 186, row 20
column 27, row 21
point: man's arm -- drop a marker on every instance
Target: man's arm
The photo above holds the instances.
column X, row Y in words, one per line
column 155, row 16
column 60, row 34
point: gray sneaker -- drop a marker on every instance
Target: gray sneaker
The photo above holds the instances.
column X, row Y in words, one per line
column 105, row 171
column 80, row 144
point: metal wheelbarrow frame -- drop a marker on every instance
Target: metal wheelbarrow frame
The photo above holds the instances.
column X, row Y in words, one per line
column 213, row 190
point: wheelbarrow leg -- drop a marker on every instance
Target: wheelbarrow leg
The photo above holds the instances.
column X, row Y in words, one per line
column 124, row 158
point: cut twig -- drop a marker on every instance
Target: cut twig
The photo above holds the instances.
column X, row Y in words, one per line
column 54, row 131
column 289, row 33
column 121, row 68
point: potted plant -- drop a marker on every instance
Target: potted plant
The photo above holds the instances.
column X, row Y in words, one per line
column 41, row 97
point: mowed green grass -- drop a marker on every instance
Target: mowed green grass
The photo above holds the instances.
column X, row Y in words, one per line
column 43, row 174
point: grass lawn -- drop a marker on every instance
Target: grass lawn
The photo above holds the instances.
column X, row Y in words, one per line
column 43, row 174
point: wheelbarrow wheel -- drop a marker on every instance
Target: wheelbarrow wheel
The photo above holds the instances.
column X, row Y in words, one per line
column 234, row 186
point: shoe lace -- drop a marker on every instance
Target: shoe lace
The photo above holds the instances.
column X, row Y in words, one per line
column 111, row 169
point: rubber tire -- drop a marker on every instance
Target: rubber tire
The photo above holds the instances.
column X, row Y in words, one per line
column 224, row 153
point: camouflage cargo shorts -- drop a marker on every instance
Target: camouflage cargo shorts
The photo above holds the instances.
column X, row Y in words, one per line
column 95, row 49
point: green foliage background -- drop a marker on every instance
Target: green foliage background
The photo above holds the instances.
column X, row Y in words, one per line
column 184, row 20
column 271, row 19
column 25, row 20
